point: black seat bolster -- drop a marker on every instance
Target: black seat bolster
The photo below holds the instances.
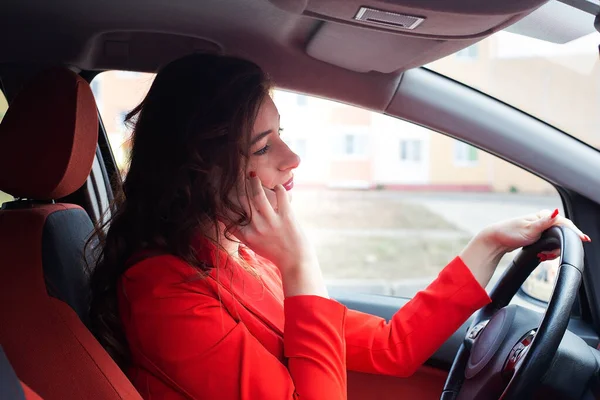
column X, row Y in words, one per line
column 10, row 385
column 65, row 272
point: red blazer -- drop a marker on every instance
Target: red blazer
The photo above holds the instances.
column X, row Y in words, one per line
column 222, row 336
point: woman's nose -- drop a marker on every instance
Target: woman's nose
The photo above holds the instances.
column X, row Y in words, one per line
column 290, row 161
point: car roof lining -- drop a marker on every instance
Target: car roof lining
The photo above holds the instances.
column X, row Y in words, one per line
column 307, row 46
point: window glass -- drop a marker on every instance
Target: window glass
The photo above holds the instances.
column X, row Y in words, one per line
column 558, row 83
column 350, row 145
column 464, row 154
column 3, row 105
column 470, row 53
column 301, row 100
column 410, row 150
column 4, row 197
column 117, row 93
column 387, row 203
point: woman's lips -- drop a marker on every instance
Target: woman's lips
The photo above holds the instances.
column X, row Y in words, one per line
column 289, row 184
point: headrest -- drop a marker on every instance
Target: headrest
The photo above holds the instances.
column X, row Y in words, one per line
column 48, row 137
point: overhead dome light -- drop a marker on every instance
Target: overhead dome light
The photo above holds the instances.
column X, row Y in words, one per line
column 388, row 19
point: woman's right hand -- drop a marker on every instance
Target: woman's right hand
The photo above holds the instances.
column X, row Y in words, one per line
column 274, row 234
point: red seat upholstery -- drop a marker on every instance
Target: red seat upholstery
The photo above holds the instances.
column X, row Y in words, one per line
column 48, row 141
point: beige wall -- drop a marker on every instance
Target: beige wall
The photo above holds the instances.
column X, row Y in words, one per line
column 350, row 170
column 507, row 176
column 496, row 173
column 349, row 115
column 444, row 171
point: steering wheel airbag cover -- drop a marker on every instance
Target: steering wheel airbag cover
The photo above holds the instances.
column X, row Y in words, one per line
column 489, row 341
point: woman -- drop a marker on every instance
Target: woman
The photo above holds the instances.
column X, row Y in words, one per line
column 204, row 267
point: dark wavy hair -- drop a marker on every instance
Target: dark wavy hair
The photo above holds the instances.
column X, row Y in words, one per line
column 189, row 145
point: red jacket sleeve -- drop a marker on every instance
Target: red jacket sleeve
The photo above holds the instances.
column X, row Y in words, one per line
column 418, row 329
column 206, row 354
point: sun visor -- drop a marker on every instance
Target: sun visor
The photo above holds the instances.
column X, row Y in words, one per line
column 143, row 51
column 398, row 35
column 364, row 50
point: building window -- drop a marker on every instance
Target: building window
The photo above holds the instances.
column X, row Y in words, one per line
column 301, row 100
column 469, row 53
column 464, row 154
column 410, row 150
column 349, row 144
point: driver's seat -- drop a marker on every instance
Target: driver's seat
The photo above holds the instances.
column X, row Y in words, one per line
column 48, row 140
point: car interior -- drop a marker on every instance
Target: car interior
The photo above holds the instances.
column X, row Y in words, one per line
column 57, row 165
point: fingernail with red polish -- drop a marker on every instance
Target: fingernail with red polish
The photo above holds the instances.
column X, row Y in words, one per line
column 554, row 214
column 252, row 174
column 587, row 238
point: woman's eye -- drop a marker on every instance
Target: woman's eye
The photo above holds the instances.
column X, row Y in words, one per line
column 262, row 151
column 280, row 131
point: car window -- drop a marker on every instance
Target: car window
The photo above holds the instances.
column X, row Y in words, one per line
column 4, row 197
column 386, row 202
column 558, row 83
column 117, row 93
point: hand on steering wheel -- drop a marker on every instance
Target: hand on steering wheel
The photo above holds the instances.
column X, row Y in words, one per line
column 508, row 348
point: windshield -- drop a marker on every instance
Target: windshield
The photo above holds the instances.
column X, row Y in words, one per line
column 557, row 83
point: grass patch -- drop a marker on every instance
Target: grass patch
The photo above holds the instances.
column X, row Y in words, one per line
column 351, row 257
column 339, row 209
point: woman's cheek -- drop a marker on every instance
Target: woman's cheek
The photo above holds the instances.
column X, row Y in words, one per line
column 250, row 167
column 265, row 179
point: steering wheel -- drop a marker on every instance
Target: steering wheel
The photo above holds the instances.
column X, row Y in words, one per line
column 508, row 348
